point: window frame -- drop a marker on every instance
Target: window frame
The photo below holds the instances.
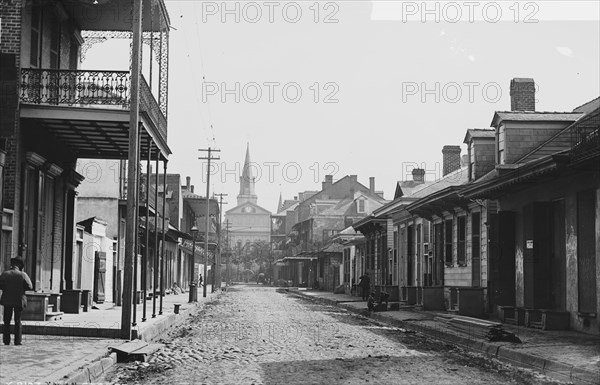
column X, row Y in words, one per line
column 461, row 240
column 35, row 38
column 360, row 206
column 501, row 144
column 472, row 160
column 448, row 237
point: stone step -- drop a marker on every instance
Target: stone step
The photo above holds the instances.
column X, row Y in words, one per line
column 135, row 350
column 54, row 315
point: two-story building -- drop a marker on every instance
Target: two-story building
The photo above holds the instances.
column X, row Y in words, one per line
column 55, row 113
column 322, row 216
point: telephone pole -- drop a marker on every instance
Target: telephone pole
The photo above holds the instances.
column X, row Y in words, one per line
column 227, row 227
column 209, row 157
column 218, row 259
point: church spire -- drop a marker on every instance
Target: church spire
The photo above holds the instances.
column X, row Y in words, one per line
column 280, row 205
column 247, row 193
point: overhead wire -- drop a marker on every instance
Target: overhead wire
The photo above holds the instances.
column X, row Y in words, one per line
column 207, row 123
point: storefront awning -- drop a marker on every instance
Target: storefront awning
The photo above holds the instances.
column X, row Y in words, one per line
column 173, row 233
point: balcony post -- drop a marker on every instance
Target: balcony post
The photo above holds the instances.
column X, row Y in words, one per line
column 155, row 283
column 164, row 214
column 147, row 240
column 132, row 222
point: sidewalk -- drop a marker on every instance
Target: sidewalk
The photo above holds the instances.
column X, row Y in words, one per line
column 62, row 352
column 561, row 354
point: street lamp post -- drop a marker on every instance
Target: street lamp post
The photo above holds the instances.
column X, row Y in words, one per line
column 193, row 291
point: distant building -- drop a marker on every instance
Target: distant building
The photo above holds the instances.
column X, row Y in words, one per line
column 249, row 222
column 314, row 259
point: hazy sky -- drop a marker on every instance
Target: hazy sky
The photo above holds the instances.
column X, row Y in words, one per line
column 372, row 64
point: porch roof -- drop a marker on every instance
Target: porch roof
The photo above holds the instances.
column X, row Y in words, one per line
column 174, row 233
column 94, row 133
column 518, row 178
column 443, row 200
column 369, row 223
column 115, row 15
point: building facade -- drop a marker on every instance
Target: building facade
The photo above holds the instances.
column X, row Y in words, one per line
column 56, row 113
column 248, row 221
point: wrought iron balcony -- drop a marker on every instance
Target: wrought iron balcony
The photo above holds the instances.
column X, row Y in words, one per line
column 87, row 88
column 585, row 138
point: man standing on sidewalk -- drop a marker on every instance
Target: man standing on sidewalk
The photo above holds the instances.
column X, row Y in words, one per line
column 365, row 285
column 13, row 283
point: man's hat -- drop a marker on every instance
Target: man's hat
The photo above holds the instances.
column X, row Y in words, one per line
column 17, row 261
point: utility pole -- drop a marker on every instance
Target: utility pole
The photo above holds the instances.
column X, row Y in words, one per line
column 133, row 163
column 227, row 227
column 218, row 259
column 209, row 157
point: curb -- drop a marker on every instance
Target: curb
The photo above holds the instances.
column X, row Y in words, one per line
column 93, row 370
column 551, row 368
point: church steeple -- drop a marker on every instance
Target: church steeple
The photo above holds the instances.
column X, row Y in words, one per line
column 247, row 193
column 280, row 204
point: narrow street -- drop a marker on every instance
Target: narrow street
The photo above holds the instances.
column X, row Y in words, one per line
column 255, row 335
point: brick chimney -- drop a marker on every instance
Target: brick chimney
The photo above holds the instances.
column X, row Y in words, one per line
column 451, row 159
column 328, row 182
column 187, row 182
column 192, row 189
column 418, row 175
column 372, row 184
column 522, row 94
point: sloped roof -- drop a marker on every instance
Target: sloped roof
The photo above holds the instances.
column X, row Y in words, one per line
column 284, row 211
column 307, row 195
column 346, row 236
column 496, row 182
column 342, row 207
column 562, row 140
column 534, row 116
column 589, row 106
column 287, row 205
column 351, row 178
column 87, row 223
column 408, row 187
column 348, row 231
column 479, row 133
column 455, row 178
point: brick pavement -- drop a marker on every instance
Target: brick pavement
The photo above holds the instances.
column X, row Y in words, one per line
column 58, row 358
column 49, row 358
column 558, row 353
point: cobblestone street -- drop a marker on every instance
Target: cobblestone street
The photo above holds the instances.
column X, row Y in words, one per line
column 254, row 335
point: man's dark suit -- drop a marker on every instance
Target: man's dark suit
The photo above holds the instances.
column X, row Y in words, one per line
column 13, row 284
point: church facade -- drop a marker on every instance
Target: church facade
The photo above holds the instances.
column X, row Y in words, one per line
column 249, row 223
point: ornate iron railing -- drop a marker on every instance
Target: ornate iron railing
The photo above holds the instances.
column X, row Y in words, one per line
column 149, row 105
column 585, row 138
column 80, row 87
column 49, row 86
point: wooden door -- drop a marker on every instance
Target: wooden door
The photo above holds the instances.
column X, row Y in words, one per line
column 501, row 259
column 438, row 254
column 475, row 249
column 586, row 251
